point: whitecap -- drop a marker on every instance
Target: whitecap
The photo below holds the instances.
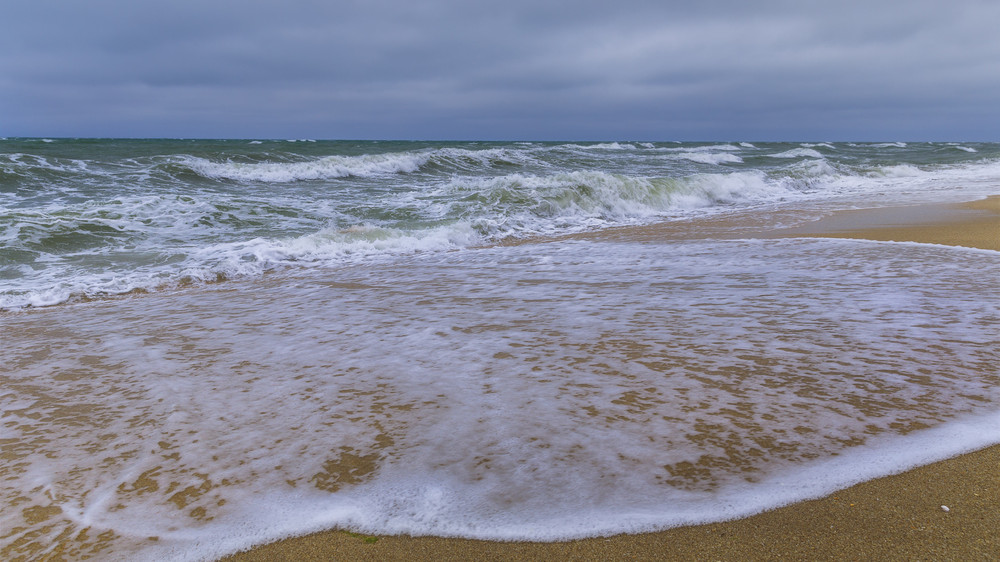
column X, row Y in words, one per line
column 797, row 153
column 710, row 158
column 603, row 146
column 818, row 144
column 705, row 148
column 898, row 171
column 368, row 165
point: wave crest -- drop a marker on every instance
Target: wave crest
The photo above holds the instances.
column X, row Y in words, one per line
column 797, row 153
column 329, row 167
column 359, row 166
column 517, row 203
column 710, row 157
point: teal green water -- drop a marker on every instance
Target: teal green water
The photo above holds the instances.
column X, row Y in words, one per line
column 86, row 217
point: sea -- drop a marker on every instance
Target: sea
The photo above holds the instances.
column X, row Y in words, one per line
column 211, row 344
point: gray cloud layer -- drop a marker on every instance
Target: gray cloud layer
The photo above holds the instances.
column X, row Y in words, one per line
column 632, row 69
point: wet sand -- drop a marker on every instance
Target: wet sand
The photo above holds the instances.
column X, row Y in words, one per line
column 975, row 224
column 893, row 518
column 901, row 517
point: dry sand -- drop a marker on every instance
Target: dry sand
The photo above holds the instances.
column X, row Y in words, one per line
column 893, row 518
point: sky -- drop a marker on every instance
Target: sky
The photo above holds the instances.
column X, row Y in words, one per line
column 502, row 70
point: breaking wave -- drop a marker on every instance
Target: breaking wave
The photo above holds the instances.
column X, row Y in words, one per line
column 79, row 224
column 324, row 168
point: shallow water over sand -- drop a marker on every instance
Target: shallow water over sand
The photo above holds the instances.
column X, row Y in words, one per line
column 542, row 391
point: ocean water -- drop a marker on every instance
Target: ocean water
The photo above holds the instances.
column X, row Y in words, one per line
column 210, row 344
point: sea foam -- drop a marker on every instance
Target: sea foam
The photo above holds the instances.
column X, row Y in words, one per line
column 85, row 219
column 711, row 158
column 324, row 168
column 797, row 153
column 540, row 391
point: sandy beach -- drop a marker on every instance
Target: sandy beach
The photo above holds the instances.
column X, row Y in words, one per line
column 948, row 510
column 975, row 224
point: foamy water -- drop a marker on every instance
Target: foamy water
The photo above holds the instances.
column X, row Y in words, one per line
column 543, row 391
column 336, row 335
column 90, row 218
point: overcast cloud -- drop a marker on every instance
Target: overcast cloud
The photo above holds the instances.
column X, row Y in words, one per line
column 516, row 69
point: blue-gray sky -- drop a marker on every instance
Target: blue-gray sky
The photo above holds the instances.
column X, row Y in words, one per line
column 510, row 69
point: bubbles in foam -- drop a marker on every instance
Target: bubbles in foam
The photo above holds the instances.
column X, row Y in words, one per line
column 712, row 148
column 604, row 146
column 324, row 168
column 710, row 158
column 797, row 153
column 89, row 218
column 899, row 171
column 539, row 391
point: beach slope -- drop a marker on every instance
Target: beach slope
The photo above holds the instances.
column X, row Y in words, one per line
column 943, row 511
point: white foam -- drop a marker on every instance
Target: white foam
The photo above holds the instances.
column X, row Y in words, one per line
column 475, row 161
column 797, row 153
column 29, row 161
column 157, row 223
column 519, row 203
column 328, row 245
column 900, row 171
column 711, row 158
column 706, row 148
column 605, row 146
column 250, row 258
column 528, row 392
column 362, row 166
column 324, row 168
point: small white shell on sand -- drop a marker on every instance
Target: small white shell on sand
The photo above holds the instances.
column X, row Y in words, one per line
column 944, row 508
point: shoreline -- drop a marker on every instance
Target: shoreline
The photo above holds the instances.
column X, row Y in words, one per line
column 894, row 517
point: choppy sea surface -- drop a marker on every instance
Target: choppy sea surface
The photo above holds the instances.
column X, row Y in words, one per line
column 206, row 345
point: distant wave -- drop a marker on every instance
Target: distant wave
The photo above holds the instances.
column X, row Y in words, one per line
column 361, row 166
column 101, row 219
column 797, row 153
column 710, row 158
column 323, row 168
column 706, row 148
column 604, row 146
